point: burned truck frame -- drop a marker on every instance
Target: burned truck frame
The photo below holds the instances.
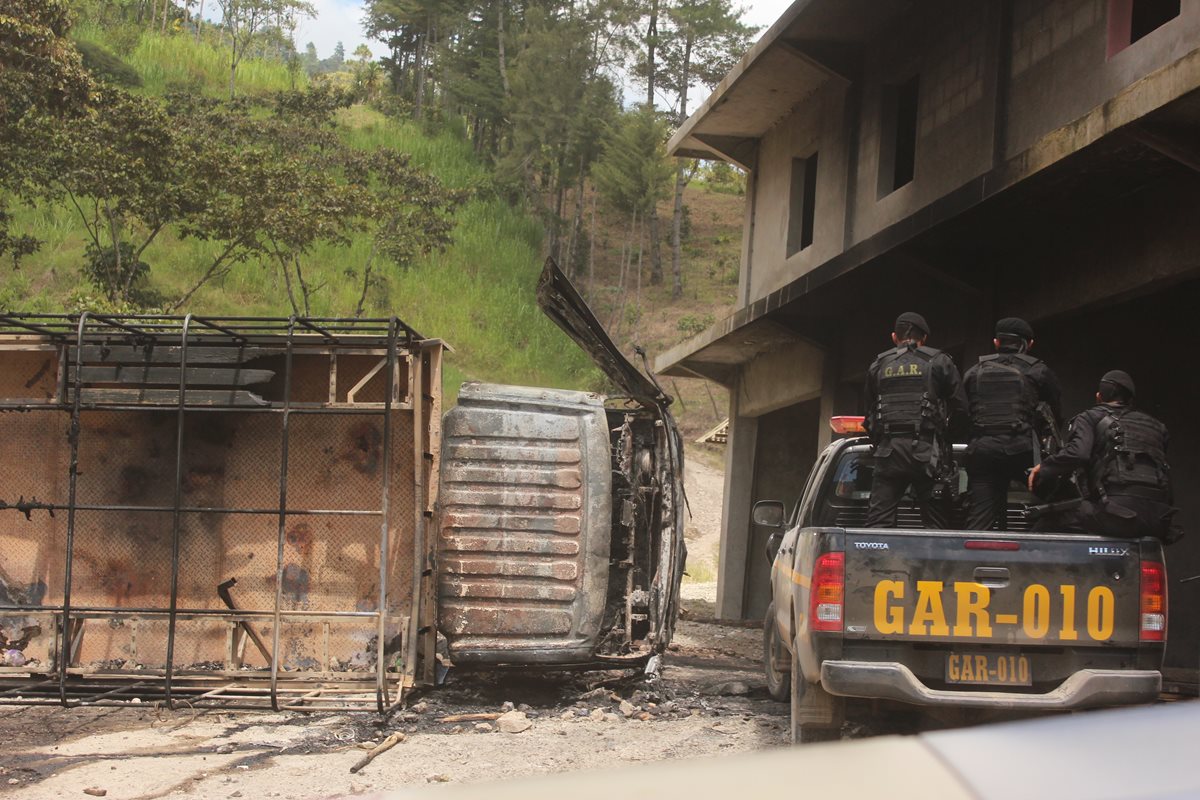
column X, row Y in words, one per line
column 245, row 512
column 561, row 514
column 218, row 512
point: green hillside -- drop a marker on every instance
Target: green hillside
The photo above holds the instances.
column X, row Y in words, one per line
column 478, row 294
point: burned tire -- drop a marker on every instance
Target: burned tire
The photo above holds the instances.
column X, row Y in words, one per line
column 776, row 661
column 816, row 714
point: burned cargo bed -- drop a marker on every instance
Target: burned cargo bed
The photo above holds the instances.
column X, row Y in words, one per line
column 219, row 512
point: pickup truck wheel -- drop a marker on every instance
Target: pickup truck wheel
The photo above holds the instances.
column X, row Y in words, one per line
column 776, row 661
column 816, row 714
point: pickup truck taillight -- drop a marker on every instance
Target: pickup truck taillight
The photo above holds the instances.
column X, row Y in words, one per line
column 828, row 592
column 1154, row 602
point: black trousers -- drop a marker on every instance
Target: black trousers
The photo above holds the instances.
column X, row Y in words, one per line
column 989, row 473
column 1120, row 515
column 904, row 466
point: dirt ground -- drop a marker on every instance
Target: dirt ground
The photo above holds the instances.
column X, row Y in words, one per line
column 708, row 699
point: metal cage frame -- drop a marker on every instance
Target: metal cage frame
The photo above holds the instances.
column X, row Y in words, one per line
column 281, row 689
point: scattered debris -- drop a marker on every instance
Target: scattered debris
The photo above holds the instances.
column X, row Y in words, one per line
column 483, row 727
column 419, row 708
column 485, row 716
column 628, row 709
column 95, row 791
column 438, row 777
column 387, row 744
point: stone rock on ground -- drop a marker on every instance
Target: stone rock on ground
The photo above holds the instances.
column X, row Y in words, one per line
column 513, row 722
column 730, row 689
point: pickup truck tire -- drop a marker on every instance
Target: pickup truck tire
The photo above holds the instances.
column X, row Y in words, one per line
column 776, row 662
column 816, row 714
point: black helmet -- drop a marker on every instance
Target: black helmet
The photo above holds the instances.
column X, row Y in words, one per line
column 1014, row 326
column 914, row 319
column 1120, row 378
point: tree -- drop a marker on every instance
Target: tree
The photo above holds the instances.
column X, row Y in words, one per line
column 708, row 39
column 41, row 79
column 644, row 44
column 410, row 29
column 631, row 175
column 366, row 73
column 246, row 21
column 408, row 212
column 127, row 173
column 278, row 185
column 633, row 171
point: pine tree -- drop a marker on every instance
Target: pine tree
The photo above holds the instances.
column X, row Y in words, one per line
column 708, row 38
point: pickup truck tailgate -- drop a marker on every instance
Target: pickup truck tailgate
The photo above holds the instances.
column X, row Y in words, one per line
column 982, row 588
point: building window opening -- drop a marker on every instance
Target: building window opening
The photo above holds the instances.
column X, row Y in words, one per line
column 898, row 143
column 802, row 204
column 1131, row 20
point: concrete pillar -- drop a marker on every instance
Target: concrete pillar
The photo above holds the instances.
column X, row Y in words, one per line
column 829, row 387
column 735, row 513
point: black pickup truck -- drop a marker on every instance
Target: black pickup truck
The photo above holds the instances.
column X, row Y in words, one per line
column 950, row 618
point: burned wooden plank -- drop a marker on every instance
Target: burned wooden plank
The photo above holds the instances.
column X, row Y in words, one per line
column 167, row 397
column 169, row 376
column 196, row 354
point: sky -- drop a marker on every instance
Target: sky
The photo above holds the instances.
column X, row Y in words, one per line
column 341, row 21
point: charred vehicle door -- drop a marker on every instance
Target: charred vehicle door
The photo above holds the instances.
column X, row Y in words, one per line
column 561, row 513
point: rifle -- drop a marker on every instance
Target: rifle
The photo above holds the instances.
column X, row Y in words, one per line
column 1034, row 513
column 1048, row 441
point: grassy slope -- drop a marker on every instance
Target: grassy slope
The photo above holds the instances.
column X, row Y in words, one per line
column 478, row 295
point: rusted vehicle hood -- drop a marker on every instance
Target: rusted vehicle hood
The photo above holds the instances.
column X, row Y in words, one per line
column 560, row 301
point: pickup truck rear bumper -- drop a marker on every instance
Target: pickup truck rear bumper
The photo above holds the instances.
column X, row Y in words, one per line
column 1087, row 688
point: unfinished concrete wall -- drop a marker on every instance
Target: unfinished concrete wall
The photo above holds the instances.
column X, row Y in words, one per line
column 773, row 434
column 786, row 451
column 815, row 126
column 1061, row 68
column 945, row 45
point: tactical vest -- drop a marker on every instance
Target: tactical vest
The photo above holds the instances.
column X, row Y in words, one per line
column 1132, row 449
column 906, row 404
column 1004, row 399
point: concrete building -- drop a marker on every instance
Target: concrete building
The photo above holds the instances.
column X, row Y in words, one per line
column 967, row 159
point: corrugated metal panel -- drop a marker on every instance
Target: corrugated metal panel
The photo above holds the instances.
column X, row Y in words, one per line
column 525, row 524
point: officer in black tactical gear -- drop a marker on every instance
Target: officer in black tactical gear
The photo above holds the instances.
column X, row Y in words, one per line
column 913, row 391
column 1004, row 390
column 1124, row 454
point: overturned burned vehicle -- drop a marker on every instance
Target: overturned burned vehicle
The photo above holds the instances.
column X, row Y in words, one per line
column 255, row 513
